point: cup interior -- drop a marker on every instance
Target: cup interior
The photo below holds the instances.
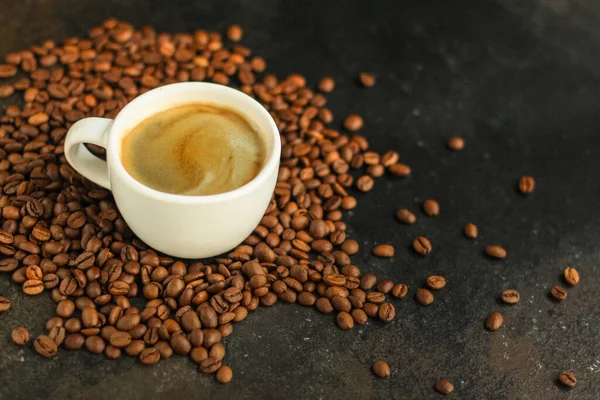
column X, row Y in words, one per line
column 170, row 96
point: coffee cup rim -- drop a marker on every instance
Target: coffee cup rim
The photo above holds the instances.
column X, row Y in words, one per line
column 116, row 165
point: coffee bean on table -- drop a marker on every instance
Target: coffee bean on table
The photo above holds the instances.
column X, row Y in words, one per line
column 406, row 217
column 470, row 231
column 495, row 252
column 120, row 339
column 360, row 317
column 326, row 85
column 381, row 369
column 199, row 354
column 422, row 245
column 456, row 143
column 149, row 356
column 45, row 346
column 32, row 287
column 364, row 183
column 353, row 123
column 400, row 290
column 383, row 251
column 444, row 387
column 4, row 304
column 436, row 282
column 424, row 296
column 400, row 170
column 510, row 296
column 95, row 344
column 571, row 276
column 344, row 320
column 526, row 184
column 494, row 321
column 234, row 33
column 385, row 286
column 210, row 365
column 386, row 312
column 431, row 208
column 371, row 309
column 224, row 374
column 558, row 293
column 567, row 379
column 366, row 79
column 74, row 341
column 20, row 336
column 368, row 281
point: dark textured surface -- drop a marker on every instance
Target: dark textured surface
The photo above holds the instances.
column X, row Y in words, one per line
column 519, row 79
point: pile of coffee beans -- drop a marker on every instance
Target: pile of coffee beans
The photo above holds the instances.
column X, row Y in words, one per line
column 62, row 234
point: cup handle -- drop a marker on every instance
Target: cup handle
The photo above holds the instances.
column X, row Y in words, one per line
column 88, row 130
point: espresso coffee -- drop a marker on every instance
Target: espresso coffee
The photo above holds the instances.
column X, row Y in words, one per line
column 194, row 149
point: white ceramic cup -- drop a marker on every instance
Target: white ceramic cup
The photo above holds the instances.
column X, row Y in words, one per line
column 182, row 226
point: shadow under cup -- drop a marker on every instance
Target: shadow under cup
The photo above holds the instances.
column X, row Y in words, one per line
column 193, row 226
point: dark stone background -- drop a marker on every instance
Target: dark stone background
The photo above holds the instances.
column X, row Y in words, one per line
column 518, row 79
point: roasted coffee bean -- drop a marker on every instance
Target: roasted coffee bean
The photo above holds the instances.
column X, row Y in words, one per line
column 381, row 369
column 558, row 293
column 95, row 344
column 567, row 379
column 4, row 304
column 366, row 79
column 120, row 339
column 385, row 286
column 58, row 334
column 431, row 208
column 199, row 354
column 359, row 316
column 149, row 356
column 324, row 305
column 74, row 341
column 376, row 297
column 234, row 33
column 386, row 312
column 571, row 276
column 65, row 308
column 444, row 387
column 422, row 245
column 210, row 365
column 526, row 184
column 368, row 281
column 494, row 321
column 371, row 309
column 326, row 85
column 111, row 352
column 33, row 287
column 45, row 346
column 436, row 282
column 400, row 290
column 383, row 251
column 20, row 336
column 180, row 344
column 217, row 351
column 307, row 299
column 495, row 252
column 406, row 217
column 510, row 296
column 135, row 347
column 344, row 320
column 424, row 296
column 456, row 143
column 341, row 303
column 353, row 123
column 224, row 374
column 470, row 231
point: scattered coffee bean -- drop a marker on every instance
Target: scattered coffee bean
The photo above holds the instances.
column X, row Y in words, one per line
column 234, row 33
column 526, row 184
column 422, row 245
column 444, row 387
column 456, row 143
column 366, row 79
column 4, row 304
column 344, row 320
column 386, row 312
column 224, row 374
column 436, row 282
column 385, row 286
column 510, row 296
column 149, row 356
column 424, row 296
column 495, row 252
column 32, row 287
column 400, row 170
column 571, row 276
column 406, row 217
column 381, row 369
column 431, row 208
column 400, row 290
column 359, row 316
column 210, row 365
column 326, row 85
column 20, row 336
column 470, row 230
column 567, row 379
column 558, row 293
column 353, row 123
column 45, row 346
column 494, row 321
column 383, row 251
